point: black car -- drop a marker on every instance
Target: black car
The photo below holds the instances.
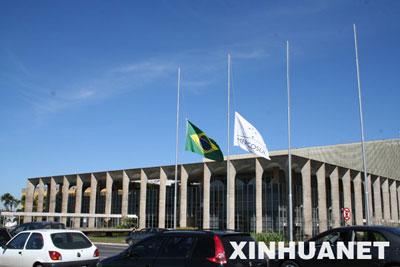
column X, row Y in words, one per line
column 37, row 225
column 351, row 234
column 175, row 248
column 136, row 236
column 4, row 236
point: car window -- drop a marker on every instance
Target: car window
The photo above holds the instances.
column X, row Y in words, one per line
column 333, row 238
column 147, row 248
column 369, row 236
column 176, row 247
column 69, row 240
column 378, row 237
column 18, row 242
column 35, row 241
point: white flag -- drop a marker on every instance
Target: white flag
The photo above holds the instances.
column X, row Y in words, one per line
column 247, row 137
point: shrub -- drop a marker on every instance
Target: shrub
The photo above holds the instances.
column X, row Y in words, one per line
column 268, row 237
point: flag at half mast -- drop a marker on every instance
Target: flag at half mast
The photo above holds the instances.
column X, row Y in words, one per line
column 247, row 137
column 198, row 142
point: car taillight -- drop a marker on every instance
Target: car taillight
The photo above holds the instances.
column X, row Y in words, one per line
column 55, row 256
column 96, row 253
column 219, row 256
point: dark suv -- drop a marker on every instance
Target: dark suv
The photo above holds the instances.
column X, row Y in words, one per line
column 351, row 234
column 37, row 225
column 184, row 249
column 4, row 236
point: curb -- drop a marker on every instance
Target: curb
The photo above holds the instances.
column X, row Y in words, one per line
column 111, row 244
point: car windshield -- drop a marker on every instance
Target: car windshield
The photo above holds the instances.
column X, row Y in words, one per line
column 70, row 240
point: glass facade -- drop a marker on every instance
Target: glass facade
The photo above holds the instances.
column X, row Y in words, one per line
column 218, row 203
column 245, row 203
column 194, row 205
column 152, row 197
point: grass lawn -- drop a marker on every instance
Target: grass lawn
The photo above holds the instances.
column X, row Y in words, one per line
column 107, row 239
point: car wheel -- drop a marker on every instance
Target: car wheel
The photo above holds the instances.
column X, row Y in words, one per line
column 289, row 264
column 38, row 265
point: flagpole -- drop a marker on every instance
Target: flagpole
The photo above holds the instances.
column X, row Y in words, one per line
column 177, row 147
column 228, row 132
column 289, row 146
column 366, row 182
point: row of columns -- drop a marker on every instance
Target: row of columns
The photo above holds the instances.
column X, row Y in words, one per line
column 381, row 187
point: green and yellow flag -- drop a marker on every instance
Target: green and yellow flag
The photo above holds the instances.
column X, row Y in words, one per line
column 198, row 142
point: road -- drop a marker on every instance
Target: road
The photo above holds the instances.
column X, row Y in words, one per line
column 108, row 250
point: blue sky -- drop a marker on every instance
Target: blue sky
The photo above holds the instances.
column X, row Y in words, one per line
column 91, row 85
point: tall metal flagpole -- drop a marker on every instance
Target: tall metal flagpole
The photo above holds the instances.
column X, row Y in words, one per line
column 228, row 172
column 289, row 146
column 366, row 182
column 177, row 146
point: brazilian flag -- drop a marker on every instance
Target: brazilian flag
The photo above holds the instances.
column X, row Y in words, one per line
column 198, row 142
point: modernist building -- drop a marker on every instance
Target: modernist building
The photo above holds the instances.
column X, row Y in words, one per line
column 254, row 197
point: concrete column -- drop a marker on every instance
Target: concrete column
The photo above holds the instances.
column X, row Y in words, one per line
column 40, row 201
column 398, row 196
column 322, row 210
column 52, row 197
column 386, row 200
column 259, row 204
column 307, row 204
column 393, row 201
column 230, row 196
column 206, row 196
column 346, row 179
column 93, row 199
column 334, row 178
column 29, row 195
column 125, row 191
column 142, row 204
column 65, row 194
column 78, row 201
column 358, row 199
column 183, row 197
column 162, row 198
column 109, row 187
column 377, row 197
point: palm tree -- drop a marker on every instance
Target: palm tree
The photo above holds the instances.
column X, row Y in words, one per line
column 9, row 201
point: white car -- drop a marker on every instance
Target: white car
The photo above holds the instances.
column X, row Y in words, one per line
column 49, row 247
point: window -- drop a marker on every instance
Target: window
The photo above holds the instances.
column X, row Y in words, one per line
column 177, row 247
column 147, row 248
column 368, row 236
column 18, row 242
column 35, row 241
column 70, row 240
column 332, row 238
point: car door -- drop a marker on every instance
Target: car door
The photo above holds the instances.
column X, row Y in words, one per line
column 175, row 251
column 33, row 250
column 141, row 254
column 12, row 254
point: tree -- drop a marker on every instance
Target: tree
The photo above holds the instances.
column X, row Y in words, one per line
column 9, row 201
